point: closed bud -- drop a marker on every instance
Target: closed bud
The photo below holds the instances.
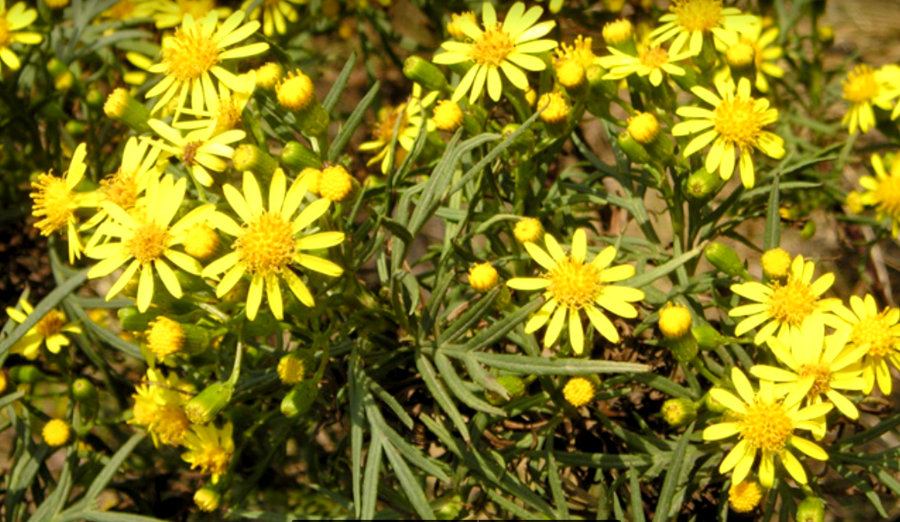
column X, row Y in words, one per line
column 776, row 263
column 812, row 509
column 314, row 120
column 76, row 128
column 825, row 33
column 702, row 184
column 708, row 337
column 619, row 34
column 449, row 508
column 679, row 411
column 523, row 143
column 204, row 407
column 335, row 183
column 94, row 98
column 808, row 230
column 643, row 127
column 121, row 106
column 295, row 366
column 675, row 325
column 84, row 390
column 726, row 260
column 581, row 390
column 447, row 115
column 554, row 108
column 207, row 499
column 425, row 73
column 298, row 156
column 713, row 405
column 26, row 374
column 744, row 496
column 634, row 150
column 514, row 386
column 483, row 277
column 251, row 158
column 300, row 399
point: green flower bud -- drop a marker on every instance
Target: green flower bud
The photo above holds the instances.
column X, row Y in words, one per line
column 94, row 98
column 713, row 405
column 726, row 260
column 252, row 158
column 298, row 156
column 300, row 399
column 26, row 374
column 701, row 184
column 812, row 509
column 76, row 128
column 634, row 150
column 207, row 499
column 515, row 388
column 449, row 508
column 679, row 411
column 523, row 143
column 708, row 337
column 313, row 119
column 207, row 404
column 133, row 320
column 808, row 230
column 425, row 73
column 84, row 390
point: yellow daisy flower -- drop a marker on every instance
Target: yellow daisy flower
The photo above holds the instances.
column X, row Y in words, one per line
column 55, row 201
column 411, row 117
column 571, row 285
column 191, row 57
column 270, row 243
column 509, row 47
column 169, row 13
column 210, row 449
column 765, row 425
column 736, row 120
column 817, row 366
column 765, row 53
column 12, row 22
column 124, row 187
column 879, row 334
column 48, row 331
column 199, row 149
column 883, row 191
column 275, row 14
column 146, row 238
column 689, row 20
column 650, row 61
column 229, row 108
column 159, row 407
column 865, row 87
column 781, row 308
column 125, row 10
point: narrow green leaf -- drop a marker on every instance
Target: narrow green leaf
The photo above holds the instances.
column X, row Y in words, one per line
column 637, row 503
column 559, row 497
column 371, row 477
column 353, row 121
column 672, row 476
column 863, row 486
column 604, row 461
column 475, row 313
column 496, row 331
column 531, row 365
column 662, row 270
column 458, row 387
column 511, row 506
column 334, row 94
column 106, row 516
column 664, row 385
column 409, row 483
column 409, row 452
column 441, row 396
column 109, row 470
column 356, row 430
column 56, row 500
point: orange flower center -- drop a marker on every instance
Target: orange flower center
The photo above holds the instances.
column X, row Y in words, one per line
column 492, row 47
column 766, row 426
column 792, row 302
column 822, row 375
column 148, row 242
column 575, row 285
column 5, row 36
column 189, row 54
column 51, row 324
column 121, row 189
column 267, row 244
column 654, row 57
column 698, row 15
column 738, row 122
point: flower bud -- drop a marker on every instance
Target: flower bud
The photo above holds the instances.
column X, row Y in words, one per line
column 679, row 411
column 295, row 366
column 84, row 390
column 702, row 183
column 634, row 150
column 675, row 325
column 776, row 263
column 204, row 407
column 581, row 390
column 268, row 75
column 295, row 91
column 298, row 156
column 514, row 386
column 335, row 183
column 528, row 230
column 56, row 432
column 812, row 509
column 713, row 405
column 252, row 158
column 554, row 106
column 808, row 230
column 122, row 107
column 523, row 143
column 569, row 73
column 743, row 497
column 707, row 337
column 94, row 98
column 854, row 202
column 643, row 127
column 726, row 260
column 300, row 399
column 26, row 374
column 200, row 241
column 207, row 499
column 425, row 73
column 619, row 34
column 447, row 116
column 483, row 277
column 449, row 508
column 741, row 58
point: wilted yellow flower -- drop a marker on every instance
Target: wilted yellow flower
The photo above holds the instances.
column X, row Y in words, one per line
column 159, row 407
column 555, row 108
column 210, row 449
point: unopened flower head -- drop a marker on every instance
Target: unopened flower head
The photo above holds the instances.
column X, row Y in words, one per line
column 689, row 20
column 292, row 368
column 335, row 183
column 528, row 230
column 743, row 497
column 643, row 127
column 776, row 263
column 571, row 61
column 191, row 58
column 572, row 285
column 56, row 432
column 12, row 23
column 269, row 74
column 207, row 499
column 555, row 108
column 780, row 307
column 146, row 241
column 165, row 337
column 674, row 321
column 579, row 391
column 617, row 31
column 510, row 46
column 483, row 277
column 271, row 242
column 736, row 121
column 447, row 116
column 295, row 91
column 764, row 425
